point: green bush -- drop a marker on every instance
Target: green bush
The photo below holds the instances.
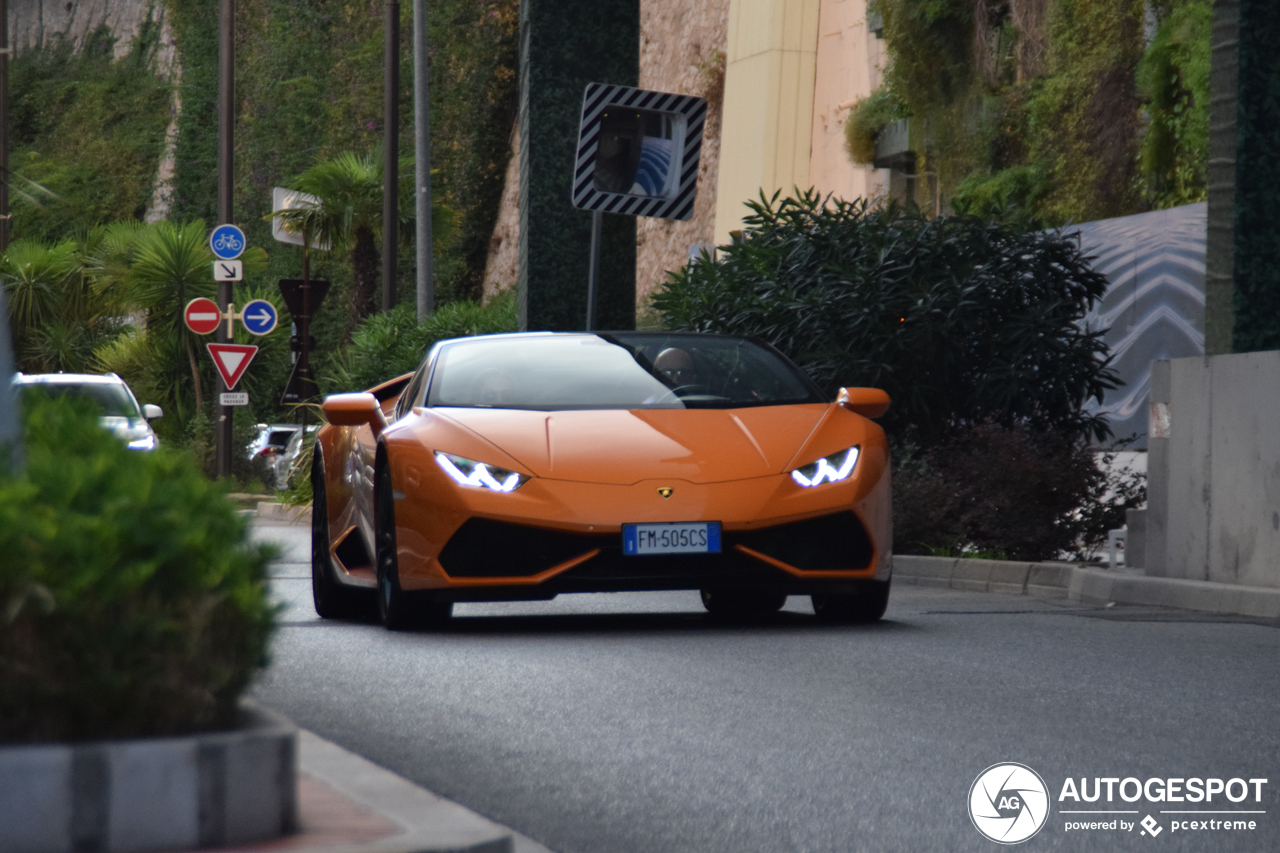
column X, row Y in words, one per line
column 393, row 343
column 1009, row 492
column 867, row 118
column 131, row 601
column 962, row 319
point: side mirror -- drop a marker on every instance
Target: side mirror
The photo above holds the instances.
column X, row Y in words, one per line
column 354, row 410
column 868, row 402
column 151, row 411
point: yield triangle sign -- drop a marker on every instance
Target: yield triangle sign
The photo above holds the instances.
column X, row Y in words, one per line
column 232, row 360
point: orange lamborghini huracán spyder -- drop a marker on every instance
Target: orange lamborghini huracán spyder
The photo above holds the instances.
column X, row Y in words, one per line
column 526, row 465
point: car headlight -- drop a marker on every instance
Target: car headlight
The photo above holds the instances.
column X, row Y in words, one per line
column 829, row 469
column 468, row 472
column 147, row 442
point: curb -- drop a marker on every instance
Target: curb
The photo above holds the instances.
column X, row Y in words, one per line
column 274, row 511
column 398, row 816
column 1086, row 585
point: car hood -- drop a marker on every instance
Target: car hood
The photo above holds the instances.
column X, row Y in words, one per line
column 626, row 446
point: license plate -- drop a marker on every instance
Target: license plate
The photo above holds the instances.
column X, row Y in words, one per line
column 690, row 537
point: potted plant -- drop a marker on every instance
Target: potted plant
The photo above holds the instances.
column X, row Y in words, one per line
column 133, row 613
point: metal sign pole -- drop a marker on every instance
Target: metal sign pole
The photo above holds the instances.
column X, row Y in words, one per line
column 593, row 279
column 226, row 151
column 422, row 164
column 391, row 156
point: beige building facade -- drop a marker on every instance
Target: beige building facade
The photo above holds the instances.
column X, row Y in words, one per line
column 794, row 69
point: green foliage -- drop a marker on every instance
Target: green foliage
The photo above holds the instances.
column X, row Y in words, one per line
column 393, row 343
column 309, row 82
column 1014, row 191
column 1011, row 493
column 57, row 318
column 87, row 131
column 1036, row 102
column 131, row 600
column 865, row 121
column 960, row 318
column 931, row 42
column 1174, row 77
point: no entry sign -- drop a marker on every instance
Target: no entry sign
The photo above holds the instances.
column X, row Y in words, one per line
column 232, row 360
column 202, row 315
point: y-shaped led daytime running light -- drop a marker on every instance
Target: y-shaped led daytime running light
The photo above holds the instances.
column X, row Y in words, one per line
column 468, row 472
column 830, row 469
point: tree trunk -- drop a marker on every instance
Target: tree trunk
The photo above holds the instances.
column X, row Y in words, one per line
column 364, row 269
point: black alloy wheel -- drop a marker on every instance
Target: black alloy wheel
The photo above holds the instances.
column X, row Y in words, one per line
column 332, row 599
column 742, row 603
column 399, row 610
column 867, row 605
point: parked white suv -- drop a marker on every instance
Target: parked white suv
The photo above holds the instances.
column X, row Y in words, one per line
column 121, row 413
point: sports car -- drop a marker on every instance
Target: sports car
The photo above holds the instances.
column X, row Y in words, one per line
column 522, row 466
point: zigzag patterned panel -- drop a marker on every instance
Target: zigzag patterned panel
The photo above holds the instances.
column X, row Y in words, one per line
column 1154, row 307
column 655, row 160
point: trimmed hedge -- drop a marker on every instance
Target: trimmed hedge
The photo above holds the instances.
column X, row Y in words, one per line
column 131, row 602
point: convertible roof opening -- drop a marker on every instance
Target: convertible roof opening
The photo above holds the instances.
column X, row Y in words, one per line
column 626, row 370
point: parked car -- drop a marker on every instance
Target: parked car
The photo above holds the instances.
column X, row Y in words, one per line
column 270, row 440
column 121, row 413
column 285, row 465
column 523, row 466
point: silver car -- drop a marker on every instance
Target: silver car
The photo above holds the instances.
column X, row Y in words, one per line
column 121, row 413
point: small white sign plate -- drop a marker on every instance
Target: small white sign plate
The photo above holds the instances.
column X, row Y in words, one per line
column 228, row 270
column 234, row 398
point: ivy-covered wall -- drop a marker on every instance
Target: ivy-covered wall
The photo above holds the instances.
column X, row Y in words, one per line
column 86, row 134
column 309, row 85
column 1069, row 109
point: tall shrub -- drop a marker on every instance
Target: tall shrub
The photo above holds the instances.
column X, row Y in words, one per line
column 962, row 319
column 132, row 603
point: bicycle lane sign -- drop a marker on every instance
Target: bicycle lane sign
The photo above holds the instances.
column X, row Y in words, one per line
column 227, row 242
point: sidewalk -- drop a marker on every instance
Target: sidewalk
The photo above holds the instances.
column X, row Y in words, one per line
column 347, row 804
column 1090, row 585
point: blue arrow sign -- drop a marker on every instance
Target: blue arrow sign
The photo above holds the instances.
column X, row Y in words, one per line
column 227, row 242
column 259, row 317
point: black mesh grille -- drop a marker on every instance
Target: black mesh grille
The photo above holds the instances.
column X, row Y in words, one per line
column 829, row 542
column 483, row 548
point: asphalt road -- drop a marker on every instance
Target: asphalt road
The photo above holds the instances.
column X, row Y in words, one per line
column 632, row 723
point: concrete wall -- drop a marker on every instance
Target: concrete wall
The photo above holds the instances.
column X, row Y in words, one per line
column 1214, row 469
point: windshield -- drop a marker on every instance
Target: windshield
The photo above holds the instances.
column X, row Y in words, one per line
column 112, row 399
column 618, row 371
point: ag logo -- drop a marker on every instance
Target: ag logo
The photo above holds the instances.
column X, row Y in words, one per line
column 1008, row 803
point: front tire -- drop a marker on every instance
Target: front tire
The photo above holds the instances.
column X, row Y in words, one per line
column 398, row 610
column 332, row 599
column 867, row 605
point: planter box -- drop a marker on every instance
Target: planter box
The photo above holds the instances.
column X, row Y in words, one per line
column 204, row 790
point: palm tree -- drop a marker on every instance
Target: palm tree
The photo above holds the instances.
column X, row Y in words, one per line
column 58, row 318
column 349, row 215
